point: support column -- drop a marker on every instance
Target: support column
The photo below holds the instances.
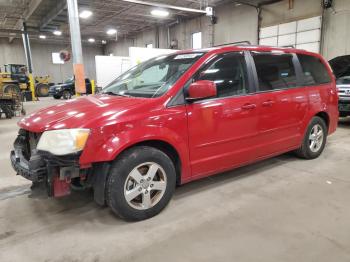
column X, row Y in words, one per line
column 78, row 64
column 28, row 54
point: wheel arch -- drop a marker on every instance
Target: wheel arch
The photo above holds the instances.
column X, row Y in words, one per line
column 165, row 147
column 324, row 115
column 103, row 168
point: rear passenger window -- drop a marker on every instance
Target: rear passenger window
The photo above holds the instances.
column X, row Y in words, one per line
column 275, row 71
column 229, row 73
column 314, row 70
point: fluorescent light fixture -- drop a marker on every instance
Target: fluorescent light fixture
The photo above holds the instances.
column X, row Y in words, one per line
column 111, row 31
column 159, row 12
column 85, row 14
column 42, row 36
column 57, row 32
column 91, row 40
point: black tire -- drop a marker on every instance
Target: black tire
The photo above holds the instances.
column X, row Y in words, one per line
column 42, row 90
column 305, row 151
column 66, row 95
column 119, row 174
column 7, row 111
column 12, row 88
column 57, row 96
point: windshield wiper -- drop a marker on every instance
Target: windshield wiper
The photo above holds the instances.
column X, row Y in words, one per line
column 115, row 94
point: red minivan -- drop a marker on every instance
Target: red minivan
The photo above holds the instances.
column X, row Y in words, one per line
column 177, row 118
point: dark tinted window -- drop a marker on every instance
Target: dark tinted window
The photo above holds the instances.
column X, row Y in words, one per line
column 343, row 80
column 229, row 73
column 275, row 71
column 314, row 70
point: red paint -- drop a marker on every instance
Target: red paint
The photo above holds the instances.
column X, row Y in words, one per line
column 60, row 187
column 202, row 89
column 209, row 136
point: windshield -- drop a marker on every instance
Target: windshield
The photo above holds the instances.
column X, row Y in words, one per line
column 343, row 80
column 152, row 78
column 69, row 80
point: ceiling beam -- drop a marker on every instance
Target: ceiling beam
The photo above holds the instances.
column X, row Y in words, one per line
column 55, row 11
column 181, row 8
column 26, row 14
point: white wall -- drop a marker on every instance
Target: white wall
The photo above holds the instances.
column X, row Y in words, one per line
column 236, row 23
column 13, row 53
column 336, row 37
column 279, row 13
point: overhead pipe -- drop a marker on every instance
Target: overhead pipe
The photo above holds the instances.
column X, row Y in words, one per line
column 168, row 37
column 168, row 32
column 180, row 8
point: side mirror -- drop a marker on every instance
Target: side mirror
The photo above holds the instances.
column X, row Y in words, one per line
column 200, row 90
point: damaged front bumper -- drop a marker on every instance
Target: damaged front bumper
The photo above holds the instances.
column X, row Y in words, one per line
column 34, row 169
column 56, row 172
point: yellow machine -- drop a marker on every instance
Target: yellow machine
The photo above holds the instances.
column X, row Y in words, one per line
column 42, row 85
column 15, row 80
column 8, row 85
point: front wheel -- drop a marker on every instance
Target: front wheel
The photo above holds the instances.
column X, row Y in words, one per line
column 141, row 183
column 314, row 140
column 42, row 90
column 66, row 95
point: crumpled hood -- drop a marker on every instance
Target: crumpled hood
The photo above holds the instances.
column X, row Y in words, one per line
column 79, row 112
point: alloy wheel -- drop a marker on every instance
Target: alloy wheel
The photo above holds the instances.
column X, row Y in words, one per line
column 145, row 186
column 316, row 138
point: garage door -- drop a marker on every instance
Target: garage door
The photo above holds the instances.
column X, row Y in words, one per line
column 303, row 34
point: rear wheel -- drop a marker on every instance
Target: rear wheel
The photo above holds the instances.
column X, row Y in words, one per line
column 42, row 90
column 314, row 140
column 57, row 96
column 141, row 183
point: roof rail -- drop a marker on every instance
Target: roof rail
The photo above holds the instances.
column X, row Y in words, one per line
column 234, row 43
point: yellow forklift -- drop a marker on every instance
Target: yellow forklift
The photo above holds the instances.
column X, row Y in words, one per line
column 10, row 96
column 15, row 79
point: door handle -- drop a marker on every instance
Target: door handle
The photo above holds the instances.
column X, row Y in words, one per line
column 248, row 106
column 268, row 103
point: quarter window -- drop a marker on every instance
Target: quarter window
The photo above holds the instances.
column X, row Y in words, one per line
column 314, row 70
column 229, row 73
column 275, row 71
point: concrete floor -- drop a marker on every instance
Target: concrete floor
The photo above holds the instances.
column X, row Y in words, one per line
column 282, row 209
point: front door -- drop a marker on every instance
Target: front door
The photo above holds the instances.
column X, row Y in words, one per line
column 223, row 130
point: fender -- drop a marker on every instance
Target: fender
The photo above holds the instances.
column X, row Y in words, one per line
column 110, row 148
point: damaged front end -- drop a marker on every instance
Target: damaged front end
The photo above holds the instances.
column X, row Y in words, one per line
column 59, row 173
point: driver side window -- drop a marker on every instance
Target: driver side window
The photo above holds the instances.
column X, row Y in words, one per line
column 229, row 73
